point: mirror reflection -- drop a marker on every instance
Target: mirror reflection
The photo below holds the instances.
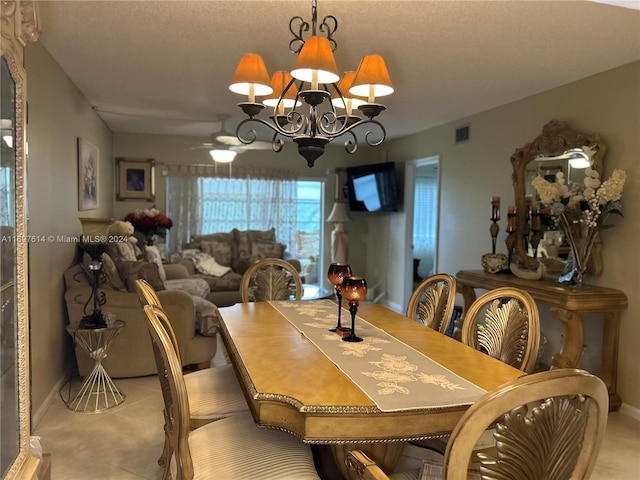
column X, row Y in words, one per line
column 9, row 419
column 572, row 164
column 557, row 151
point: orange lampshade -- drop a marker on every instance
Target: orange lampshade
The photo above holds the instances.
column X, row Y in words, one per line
column 315, row 62
column 372, row 78
column 251, row 77
column 279, row 81
column 344, row 85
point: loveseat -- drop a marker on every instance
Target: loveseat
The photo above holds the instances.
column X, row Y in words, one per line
column 222, row 258
column 194, row 319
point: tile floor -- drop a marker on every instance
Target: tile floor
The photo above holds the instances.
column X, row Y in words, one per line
column 124, row 443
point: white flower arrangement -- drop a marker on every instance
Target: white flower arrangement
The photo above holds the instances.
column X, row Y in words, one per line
column 581, row 210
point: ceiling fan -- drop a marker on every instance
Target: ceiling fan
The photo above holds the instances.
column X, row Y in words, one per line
column 223, row 140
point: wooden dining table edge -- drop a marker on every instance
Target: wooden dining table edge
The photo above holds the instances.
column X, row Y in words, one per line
column 313, row 423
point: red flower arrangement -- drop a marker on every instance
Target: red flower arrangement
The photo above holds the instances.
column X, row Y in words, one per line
column 149, row 221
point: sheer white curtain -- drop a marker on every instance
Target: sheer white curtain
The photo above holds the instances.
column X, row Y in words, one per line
column 200, row 201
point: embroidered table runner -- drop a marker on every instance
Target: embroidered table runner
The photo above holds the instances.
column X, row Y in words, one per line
column 394, row 375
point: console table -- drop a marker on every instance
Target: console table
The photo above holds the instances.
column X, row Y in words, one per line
column 568, row 305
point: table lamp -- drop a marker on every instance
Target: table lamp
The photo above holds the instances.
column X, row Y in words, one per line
column 94, row 243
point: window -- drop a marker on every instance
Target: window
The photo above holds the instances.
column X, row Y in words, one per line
column 207, row 204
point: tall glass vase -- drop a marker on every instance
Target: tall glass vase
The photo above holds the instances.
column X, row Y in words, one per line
column 581, row 239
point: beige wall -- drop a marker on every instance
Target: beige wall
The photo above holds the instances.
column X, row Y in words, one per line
column 58, row 115
column 608, row 104
column 471, row 174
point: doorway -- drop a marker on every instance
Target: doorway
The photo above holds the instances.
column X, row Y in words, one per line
column 422, row 198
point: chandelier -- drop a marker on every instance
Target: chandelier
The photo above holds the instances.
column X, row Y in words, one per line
column 305, row 100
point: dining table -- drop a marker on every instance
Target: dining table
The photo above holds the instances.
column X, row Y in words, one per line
column 403, row 382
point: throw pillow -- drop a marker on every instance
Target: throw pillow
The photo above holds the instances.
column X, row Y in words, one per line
column 246, row 238
column 132, row 271
column 211, row 267
column 260, row 250
column 152, row 255
column 111, row 272
column 221, row 251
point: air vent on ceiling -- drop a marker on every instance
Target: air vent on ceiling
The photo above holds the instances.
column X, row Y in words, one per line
column 462, row 134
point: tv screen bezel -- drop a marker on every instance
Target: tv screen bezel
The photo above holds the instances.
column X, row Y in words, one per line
column 388, row 169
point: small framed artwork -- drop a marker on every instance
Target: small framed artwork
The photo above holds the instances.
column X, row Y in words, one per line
column 135, row 179
column 88, row 161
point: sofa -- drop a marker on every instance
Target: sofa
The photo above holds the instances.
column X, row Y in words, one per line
column 194, row 319
column 222, row 258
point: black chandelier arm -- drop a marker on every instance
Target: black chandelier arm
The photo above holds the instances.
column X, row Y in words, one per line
column 370, row 133
column 351, row 145
column 329, row 26
column 277, row 143
column 250, row 135
column 298, row 26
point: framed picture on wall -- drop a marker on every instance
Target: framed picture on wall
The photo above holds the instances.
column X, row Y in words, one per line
column 88, row 185
column 135, row 179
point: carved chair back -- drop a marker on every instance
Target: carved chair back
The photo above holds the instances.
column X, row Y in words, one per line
column 550, row 427
column 433, row 300
column 174, row 392
column 270, row 279
column 505, row 324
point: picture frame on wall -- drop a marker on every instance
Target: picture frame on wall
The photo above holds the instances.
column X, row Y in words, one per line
column 135, row 179
column 88, row 175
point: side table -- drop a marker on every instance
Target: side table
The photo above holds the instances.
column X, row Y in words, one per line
column 97, row 391
column 567, row 305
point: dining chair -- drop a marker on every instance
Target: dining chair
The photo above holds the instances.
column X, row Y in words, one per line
column 214, row 393
column 232, row 447
column 270, row 279
column 505, row 324
column 550, row 427
column 433, row 300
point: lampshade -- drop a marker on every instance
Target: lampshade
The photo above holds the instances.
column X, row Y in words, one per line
column 222, row 156
column 344, row 85
column 372, row 78
column 339, row 213
column 93, row 228
column 251, row 77
column 279, row 81
column 316, row 57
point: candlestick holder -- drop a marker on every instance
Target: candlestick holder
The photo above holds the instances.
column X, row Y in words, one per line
column 354, row 290
column 336, row 274
column 494, row 262
column 494, row 229
column 511, row 243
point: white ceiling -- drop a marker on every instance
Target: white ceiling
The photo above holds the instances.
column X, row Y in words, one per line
column 164, row 66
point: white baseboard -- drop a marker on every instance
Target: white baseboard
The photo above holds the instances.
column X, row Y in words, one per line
column 39, row 414
column 633, row 412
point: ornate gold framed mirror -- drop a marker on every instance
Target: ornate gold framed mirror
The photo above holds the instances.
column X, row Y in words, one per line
column 546, row 155
column 18, row 26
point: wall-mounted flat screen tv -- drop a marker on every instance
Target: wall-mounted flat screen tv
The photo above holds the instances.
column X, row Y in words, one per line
column 373, row 188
